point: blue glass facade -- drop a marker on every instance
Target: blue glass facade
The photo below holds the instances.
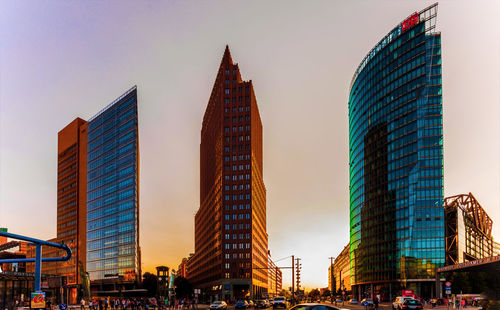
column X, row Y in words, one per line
column 113, row 191
column 396, row 160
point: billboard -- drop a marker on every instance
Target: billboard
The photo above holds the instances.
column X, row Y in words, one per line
column 37, row 300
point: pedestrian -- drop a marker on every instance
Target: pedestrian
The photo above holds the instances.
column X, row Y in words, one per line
column 105, row 303
column 375, row 302
column 82, row 304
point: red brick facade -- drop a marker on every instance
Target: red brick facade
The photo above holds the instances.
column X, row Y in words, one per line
column 230, row 226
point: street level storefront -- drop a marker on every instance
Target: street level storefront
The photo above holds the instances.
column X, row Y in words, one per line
column 17, row 286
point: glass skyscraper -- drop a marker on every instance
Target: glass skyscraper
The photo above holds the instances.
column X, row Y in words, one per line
column 113, row 191
column 396, row 162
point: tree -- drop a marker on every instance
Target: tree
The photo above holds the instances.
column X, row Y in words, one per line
column 183, row 288
column 326, row 293
column 150, row 283
column 314, row 294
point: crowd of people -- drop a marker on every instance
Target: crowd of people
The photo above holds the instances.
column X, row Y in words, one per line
column 136, row 304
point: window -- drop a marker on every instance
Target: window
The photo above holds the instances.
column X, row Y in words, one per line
column 227, row 265
column 226, row 236
column 226, row 129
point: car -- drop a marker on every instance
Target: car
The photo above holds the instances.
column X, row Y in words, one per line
column 353, row 301
column 367, row 302
column 241, row 304
column 218, row 305
column 251, row 303
column 280, row 302
column 398, row 303
column 412, row 304
column 338, row 300
column 261, row 303
column 314, row 306
column 270, row 302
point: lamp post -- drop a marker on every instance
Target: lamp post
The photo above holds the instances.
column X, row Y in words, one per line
column 331, row 278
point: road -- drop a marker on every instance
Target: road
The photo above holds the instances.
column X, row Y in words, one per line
column 382, row 306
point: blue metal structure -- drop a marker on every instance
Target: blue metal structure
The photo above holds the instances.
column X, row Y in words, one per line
column 38, row 255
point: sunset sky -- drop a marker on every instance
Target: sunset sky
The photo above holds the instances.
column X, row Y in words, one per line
column 65, row 59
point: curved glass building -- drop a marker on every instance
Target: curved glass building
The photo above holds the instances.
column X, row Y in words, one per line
column 396, row 162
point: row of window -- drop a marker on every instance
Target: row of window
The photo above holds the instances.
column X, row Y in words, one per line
column 237, row 256
column 237, row 197
column 236, row 187
column 235, row 207
column 236, row 167
column 237, row 216
column 237, row 226
column 236, row 128
column 111, row 241
column 114, row 251
column 94, row 213
column 237, row 157
column 237, row 177
column 236, row 236
column 236, row 246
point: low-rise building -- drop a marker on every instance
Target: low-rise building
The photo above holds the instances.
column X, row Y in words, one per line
column 467, row 230
column 274, row 278
column 341, row 271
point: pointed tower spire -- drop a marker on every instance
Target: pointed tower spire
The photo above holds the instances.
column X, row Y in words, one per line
column 226, row 59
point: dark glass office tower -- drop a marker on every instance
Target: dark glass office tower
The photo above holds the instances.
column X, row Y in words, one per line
column 396, row 162
column 113, row 191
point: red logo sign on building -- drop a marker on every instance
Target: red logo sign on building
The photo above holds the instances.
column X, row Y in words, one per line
column 409, row 22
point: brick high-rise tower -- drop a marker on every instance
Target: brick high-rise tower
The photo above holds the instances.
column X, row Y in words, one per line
column 231, row 252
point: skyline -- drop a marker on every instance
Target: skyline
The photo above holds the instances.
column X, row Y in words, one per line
column 288, row 88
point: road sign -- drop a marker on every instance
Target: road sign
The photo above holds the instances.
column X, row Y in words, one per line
column 343, row 292
column 63, row 307
column 447, row 291
column 448, row 283
column 364, row 303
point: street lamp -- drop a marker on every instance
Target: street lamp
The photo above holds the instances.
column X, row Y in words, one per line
column 331, row 278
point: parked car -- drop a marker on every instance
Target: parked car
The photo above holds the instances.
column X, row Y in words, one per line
column 353, row 301
column 280, row 302
column 241, row 304
column 412, row 304
column 270, row 302
column 218, row 305
column 338, row 300
column 262, row 303
column 251, row 303
column 367, row 302
column 398, row 303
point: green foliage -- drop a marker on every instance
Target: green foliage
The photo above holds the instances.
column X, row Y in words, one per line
column 150, row 283
column 183, row 288
column 314, row 294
